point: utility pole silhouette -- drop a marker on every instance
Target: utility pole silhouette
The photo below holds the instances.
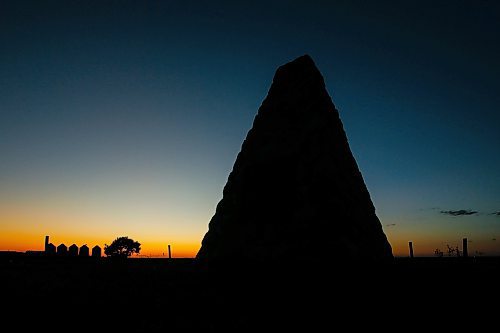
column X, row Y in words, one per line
column 169, row 252
column 465, row 252
column 410, row 244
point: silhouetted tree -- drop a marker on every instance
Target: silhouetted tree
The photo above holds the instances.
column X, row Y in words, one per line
column 451, row 250
column 438, row 253
column 122, row 247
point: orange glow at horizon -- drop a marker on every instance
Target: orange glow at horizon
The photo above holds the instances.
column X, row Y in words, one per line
column 25, row 223
column 25, row 229
column 426, row 242
column 21, row 242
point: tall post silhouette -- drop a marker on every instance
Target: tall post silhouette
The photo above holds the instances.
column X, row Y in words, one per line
column 169, row 252
column 46, row 242
column 465, row 252
column 410, row 244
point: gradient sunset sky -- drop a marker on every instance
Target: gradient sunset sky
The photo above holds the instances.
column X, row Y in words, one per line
column 124, row 118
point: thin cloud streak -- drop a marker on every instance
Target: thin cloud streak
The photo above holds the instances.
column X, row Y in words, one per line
column 461, row 212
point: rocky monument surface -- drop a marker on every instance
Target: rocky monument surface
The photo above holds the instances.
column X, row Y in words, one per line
column 295, row 191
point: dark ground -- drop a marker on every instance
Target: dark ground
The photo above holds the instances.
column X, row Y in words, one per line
column 158, row 295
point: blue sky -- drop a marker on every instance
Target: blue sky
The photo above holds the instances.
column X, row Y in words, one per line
column 127, row 117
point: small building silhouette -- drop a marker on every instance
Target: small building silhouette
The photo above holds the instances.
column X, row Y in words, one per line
column 50, row 249
column 96, row 251
column 62, row 250
column 84, row 251
column 73, row 250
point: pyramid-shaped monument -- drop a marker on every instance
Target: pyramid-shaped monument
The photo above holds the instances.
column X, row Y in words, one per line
column 295, row 191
